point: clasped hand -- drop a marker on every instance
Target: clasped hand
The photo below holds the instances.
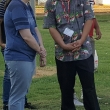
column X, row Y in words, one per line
column 74, row 46
column 42, row 54
column 2, row 45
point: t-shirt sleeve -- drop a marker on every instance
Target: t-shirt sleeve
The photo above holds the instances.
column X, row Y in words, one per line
column 33, row 15
column 88, row 12
column 20, row 19
column 2, row 9
column 49, row 16
column 91, row 4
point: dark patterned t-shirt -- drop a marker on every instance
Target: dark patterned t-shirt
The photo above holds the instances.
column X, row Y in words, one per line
column 80, row 11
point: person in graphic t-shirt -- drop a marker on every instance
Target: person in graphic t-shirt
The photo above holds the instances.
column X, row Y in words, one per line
column 69, row 23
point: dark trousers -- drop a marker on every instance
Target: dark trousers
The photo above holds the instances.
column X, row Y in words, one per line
column 66, row 72
column 6, row 83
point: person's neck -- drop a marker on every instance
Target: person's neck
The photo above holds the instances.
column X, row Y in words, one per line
column 25, row 1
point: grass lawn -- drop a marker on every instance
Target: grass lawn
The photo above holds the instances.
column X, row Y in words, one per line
column 44, row 91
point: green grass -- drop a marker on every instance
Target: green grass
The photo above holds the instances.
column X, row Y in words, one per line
column 44, row 92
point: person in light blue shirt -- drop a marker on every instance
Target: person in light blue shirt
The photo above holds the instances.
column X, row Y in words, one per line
column 23, row 43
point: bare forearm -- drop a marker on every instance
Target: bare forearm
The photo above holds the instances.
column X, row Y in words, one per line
column 56, row 36
column 32, row 43
column 39, row 36
column 96, row 24
column 30, row 40
column 86, row 30
column 59, row 40
column 97, row 30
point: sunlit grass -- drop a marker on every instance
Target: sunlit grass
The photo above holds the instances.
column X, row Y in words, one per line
column 45, row 93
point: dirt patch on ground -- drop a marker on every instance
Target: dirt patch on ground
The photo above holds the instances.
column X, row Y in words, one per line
column 44, row 71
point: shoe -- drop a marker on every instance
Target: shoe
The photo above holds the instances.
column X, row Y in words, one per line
column 81, row 97
column 99, row 98
column 28, row 105
column 76, row 101
column 5, row 107
column 81, row 94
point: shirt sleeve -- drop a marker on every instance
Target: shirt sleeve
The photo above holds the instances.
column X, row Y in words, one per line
column 88, row 12
column 32, row 14
column 49, row 16
column 91, row 4
column 20, row 19
column 2, row 9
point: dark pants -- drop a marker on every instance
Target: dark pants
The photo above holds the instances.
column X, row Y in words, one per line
column 6, row 83
column 66, row 72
